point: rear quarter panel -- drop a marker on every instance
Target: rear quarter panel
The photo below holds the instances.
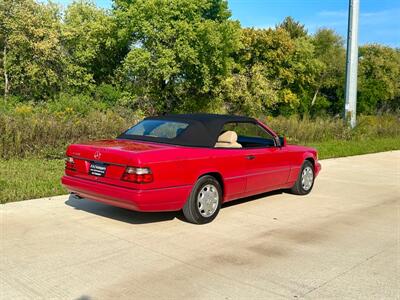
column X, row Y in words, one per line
column 184, row 165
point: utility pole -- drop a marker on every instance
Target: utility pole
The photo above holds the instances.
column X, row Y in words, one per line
column 352, row 64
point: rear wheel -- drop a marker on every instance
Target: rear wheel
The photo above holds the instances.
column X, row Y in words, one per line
column 305, row 181
column 204, row 201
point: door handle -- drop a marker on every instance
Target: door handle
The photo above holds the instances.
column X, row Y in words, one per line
column 250, row 157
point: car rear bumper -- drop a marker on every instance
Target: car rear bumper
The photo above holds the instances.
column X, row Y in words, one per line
column 165, row 199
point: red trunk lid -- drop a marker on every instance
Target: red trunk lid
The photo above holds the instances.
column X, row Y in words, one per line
column 124, row 152
column 115, row 154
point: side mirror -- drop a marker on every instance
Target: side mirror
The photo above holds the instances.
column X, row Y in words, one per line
column 282, row 141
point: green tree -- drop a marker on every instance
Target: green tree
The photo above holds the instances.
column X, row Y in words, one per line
column 294, row 28
column 91, row 44
column 5, row 14
column 256, row 83
column 217, row 10
column 250, row 92
column 305, row 66
column 32, row 63
column 287, row 64
column 330, row 52
column 180, row 52
column 379, row 73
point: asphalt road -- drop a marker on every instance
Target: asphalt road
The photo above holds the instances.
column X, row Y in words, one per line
column 342, row 241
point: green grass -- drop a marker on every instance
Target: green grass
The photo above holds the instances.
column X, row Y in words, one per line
column 33, row 178
column 334, row 148
column 22, row 179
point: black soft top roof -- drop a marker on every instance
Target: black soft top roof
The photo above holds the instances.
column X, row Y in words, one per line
column 203, row 129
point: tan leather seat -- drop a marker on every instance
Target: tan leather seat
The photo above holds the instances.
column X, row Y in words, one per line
column 228, row 140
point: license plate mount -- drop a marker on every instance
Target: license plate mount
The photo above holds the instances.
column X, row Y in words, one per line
column 97, row 169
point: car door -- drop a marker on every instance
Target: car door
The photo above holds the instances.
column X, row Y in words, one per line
column 232, row 165
column 267, row 164
column 268, row 168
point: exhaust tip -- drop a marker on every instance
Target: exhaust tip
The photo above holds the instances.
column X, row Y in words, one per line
column 75, row 195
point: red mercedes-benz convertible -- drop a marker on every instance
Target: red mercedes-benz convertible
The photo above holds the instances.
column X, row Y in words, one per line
column 193, row 162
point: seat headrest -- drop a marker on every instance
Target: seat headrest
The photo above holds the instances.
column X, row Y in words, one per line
column 228, row 137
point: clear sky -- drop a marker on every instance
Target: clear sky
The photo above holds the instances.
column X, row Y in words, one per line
column 379, row 19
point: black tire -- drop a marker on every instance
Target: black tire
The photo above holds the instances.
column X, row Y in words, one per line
column 298, row 188
column 193, row 211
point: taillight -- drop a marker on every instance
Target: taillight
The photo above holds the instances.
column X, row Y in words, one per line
column 70, row 163
column 137, row 175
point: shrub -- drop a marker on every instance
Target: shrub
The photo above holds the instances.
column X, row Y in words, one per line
column 46, row 134
column 304, row 130
column 45, row 130
column 107, row 93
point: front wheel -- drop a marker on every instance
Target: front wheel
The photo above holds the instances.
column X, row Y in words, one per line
column 204, row 201
column 305, row 181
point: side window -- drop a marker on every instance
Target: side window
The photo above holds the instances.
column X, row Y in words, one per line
column 250, row 135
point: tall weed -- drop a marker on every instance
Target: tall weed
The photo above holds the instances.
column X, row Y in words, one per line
column 45, row 130
column 305, row 130
column 47, row 134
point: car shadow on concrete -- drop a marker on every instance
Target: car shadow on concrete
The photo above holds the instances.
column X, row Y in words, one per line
column 135, row 217
column 121, row 214
column 252, row 198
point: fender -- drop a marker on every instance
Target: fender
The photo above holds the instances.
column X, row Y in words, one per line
column 307, row 155
column 297, row 163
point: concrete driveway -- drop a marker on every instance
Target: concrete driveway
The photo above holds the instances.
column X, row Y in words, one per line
column 342, row 241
